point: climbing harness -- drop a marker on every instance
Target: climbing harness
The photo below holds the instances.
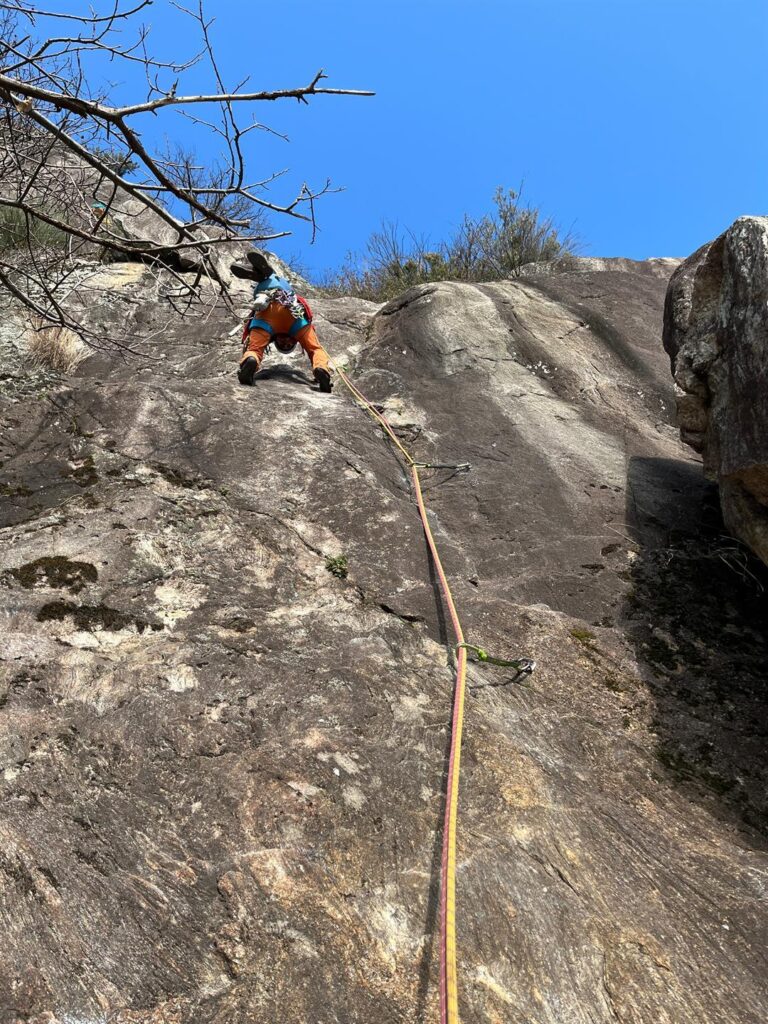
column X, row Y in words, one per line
column 449, row 994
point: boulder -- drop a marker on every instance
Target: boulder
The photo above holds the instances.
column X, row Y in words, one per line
column 716, row 334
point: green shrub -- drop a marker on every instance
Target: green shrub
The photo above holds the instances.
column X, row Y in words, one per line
column 338, row 566
column 488, row 248
column 20, row 231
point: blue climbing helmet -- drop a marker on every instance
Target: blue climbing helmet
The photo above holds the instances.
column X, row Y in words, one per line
column 272, row 282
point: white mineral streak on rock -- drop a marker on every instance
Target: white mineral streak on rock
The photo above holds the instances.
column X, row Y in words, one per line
column 177, row 599
column 181, row 678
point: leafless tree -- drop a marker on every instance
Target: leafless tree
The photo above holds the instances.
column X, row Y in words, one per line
column 78, row 180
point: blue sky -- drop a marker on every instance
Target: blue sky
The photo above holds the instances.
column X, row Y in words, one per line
column 640, row 123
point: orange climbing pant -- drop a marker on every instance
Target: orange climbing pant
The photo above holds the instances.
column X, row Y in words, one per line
column 281, row 320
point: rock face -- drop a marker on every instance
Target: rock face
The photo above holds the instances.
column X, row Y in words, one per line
column 222, row 764
column 716, row 333
column 660, row 267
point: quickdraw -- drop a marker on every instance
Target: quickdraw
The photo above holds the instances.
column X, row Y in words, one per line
column 525, row 665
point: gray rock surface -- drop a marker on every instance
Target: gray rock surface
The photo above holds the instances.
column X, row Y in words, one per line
column 716, row 333
column 661, row 266
column 221, row 766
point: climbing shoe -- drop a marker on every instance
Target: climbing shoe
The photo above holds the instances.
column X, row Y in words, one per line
column 323, row 378
column 261, row 267
column 254, row 267
column 247, row 370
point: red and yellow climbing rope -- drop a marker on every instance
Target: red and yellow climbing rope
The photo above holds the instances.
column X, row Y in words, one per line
column 449, row 988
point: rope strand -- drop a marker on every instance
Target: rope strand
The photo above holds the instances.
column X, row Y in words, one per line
column 449, row 988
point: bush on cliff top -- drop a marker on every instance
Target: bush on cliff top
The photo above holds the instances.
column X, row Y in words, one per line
column 487, row 248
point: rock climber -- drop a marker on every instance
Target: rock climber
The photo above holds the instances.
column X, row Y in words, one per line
column 279, row 316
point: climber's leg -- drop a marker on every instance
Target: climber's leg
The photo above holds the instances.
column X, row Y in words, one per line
column 317, row 355
column 258, row 340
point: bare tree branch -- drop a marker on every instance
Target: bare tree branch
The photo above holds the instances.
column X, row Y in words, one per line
column 78, row 180
column 32, row 11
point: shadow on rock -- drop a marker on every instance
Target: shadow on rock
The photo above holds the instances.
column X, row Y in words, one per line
column 283, row 372
column 697, row 618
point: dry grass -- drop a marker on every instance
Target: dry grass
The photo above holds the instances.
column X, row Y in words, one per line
column 54, row 348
